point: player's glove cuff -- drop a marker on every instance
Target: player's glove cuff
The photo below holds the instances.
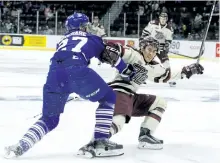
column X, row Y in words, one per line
column 128, row 73
column 120, row 65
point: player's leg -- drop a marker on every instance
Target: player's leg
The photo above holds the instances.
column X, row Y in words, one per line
column 122, row 112
column 94, row 88
column 152, row 107
column 53, row 106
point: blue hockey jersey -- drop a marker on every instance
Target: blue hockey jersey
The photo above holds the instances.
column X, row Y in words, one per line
column 78, row 48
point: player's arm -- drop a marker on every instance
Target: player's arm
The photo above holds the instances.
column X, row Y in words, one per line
column 147, row 30
column 187, row 71
column 112, row 55
column 109, row 53
column 163, row 56
column 159, row 74
column 168, row 41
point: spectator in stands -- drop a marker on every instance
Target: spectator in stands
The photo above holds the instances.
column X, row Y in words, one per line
column 40, row 30
column 155, row 6
column 22, row 24
column 198, row 19
column 217, row 36
column 62, row 11
column 5, row 10
column 60, row 28
column 155, row 9
column 97, row 28
column 183, row 17
column 42, row 7
column 8, row 26
column 48, row 13
column 217, row 7
column 27, row 29
column 141, row 10
column 197, row 37
column 119, row 33
column 133, row 34
column 113, row 33
column 164, row 9
column 197, row 23
column 28, row 7
column 126, row 6
column 14, row 12
column 190, row 37
column 48, row 31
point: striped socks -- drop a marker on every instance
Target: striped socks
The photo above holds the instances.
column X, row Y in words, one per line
column 33, row 135
column 104, row 115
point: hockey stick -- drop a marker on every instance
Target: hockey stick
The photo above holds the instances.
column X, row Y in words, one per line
column 202, row 47
column 196, row 57
column 201, row 51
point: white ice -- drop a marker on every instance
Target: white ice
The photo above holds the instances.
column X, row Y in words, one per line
column 190, row 127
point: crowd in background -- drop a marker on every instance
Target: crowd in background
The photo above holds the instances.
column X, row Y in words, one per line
column 47, row 10
column 11, row 9
column 188, row 20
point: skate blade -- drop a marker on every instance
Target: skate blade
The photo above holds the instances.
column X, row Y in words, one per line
column 145, row 145
column 109, row 153
column 9, row 154
column 99, row 153
column 85, row 154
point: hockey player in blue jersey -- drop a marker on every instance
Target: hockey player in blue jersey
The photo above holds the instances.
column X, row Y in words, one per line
column 69, row 73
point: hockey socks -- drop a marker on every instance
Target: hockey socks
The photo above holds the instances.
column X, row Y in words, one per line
column 104, row 114
column 43, row 126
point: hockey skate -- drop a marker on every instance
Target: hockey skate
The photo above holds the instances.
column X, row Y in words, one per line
column 101, row 148
column 13, row 151
column 147, row 141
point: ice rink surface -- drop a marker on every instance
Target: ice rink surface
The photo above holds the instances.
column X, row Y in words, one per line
column 190, row 127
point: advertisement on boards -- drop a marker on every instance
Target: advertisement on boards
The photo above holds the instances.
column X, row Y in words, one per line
column 23, row 40
column 217, row 51
column 122, row 42
column 35, row 41
column 131, row 43
column 175, row 47
column 11, row 40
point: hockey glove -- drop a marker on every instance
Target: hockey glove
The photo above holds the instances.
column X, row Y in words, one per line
column 192, row 69
column 128, row 73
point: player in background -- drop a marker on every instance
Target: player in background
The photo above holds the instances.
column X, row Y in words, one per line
column 163, row 33
column 98, row 29
column 69, row 73
column 129, row 103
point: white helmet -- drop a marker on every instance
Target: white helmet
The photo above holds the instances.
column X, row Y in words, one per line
column 163, row 18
